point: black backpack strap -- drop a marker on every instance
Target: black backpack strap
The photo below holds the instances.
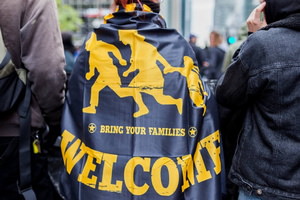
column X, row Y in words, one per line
column 25, row 186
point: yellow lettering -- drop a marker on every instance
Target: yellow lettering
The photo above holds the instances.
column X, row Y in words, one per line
column 152, row 131
column 73, row 151
column 213, row 151
column 67, row 137
column 129, row 175
column 106, row 129
column 143, row 131
column 161, row 131
column 127, row 129
column 111, row 129
column 117, row 129
column 90, row 166
column 102, row 129
column 105, row 184
column 182, row 132
column 203, row 173
column 173, row 176
column 187, row 167
column 135, row 130
column 69, row 155
column 114, row 129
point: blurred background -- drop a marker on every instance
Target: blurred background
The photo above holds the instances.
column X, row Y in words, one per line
column 198, row 17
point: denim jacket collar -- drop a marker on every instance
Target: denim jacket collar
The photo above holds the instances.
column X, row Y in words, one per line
column 291, row 22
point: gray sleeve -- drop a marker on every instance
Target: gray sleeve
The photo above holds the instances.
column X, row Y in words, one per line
column 43, row 56
column 32, row 36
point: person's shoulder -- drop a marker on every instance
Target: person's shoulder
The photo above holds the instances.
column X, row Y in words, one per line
column 255, row 40
column 196, row 48
column 266, row 36
column 269, row 39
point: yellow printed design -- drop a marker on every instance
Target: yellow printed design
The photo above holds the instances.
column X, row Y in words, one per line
column 149, row 79
column 108, row 72
column 98, row 171
column 129, row 8
column 191, row 72
column 132, row 7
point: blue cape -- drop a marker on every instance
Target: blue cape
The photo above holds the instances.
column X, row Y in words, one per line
column 138, row 121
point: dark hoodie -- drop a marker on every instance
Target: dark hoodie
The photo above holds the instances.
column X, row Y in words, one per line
column 279, row 9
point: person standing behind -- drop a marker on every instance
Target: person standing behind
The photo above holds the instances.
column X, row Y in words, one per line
column 69, row 50
column 200, row 54
column 31, row 35
column 264, row 81
column 215, row 56
column 242, row 36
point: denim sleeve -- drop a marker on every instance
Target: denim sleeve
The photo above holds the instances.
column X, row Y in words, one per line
column 43, row 57
column 233, row 88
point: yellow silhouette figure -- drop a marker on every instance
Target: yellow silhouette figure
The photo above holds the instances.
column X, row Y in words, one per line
column 149, row 78
column 108, row 74
column 191, row 72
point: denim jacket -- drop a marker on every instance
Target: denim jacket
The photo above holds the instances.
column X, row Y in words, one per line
column 264, row 80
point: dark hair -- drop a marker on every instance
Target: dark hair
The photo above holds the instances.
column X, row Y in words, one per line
column 68, row 42
column 124, row 2
column 151, row 3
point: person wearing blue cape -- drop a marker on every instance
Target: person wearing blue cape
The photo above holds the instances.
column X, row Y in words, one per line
column 138, row 122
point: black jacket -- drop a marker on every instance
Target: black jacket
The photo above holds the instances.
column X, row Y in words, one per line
column 215, row 58
column 264, row 81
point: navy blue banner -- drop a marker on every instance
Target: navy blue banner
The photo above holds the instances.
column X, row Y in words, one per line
column 138, row 121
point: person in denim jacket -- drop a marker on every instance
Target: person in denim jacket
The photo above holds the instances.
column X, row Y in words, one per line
column 263, row 82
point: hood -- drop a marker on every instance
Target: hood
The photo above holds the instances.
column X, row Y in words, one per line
column 280, row 9
column 135, row 17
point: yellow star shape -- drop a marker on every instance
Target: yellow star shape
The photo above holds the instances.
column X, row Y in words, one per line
column 92, row 128
column 192, row 131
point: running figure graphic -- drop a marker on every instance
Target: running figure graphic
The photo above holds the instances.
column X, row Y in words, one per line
column 108, row 73
column 149, row 78
column 195, row 85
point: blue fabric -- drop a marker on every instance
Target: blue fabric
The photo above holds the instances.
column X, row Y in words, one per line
column 244, row 196
column 143, row 165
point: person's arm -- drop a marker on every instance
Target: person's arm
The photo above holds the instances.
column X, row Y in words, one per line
column 232, row 90
column 42, row 55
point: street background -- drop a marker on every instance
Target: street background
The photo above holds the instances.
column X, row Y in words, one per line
column 198, row 17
